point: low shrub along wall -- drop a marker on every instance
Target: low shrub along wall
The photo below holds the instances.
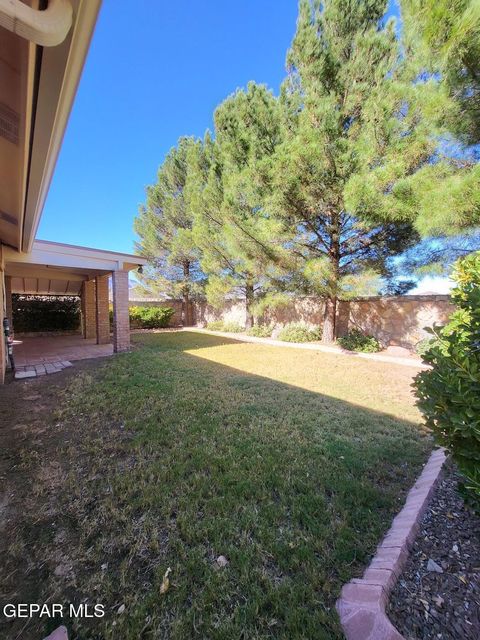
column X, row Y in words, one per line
column 45, row 313
column 148, row 317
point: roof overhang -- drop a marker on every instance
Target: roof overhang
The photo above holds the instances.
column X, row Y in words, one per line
column 36, row 96
column 56, row 268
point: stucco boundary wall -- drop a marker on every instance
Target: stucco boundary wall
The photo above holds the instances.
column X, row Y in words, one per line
column 393, row 320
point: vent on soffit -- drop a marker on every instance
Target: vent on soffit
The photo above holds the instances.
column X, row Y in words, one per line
column 9, row 123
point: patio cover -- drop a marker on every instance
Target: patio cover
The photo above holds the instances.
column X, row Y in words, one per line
column 55, row 268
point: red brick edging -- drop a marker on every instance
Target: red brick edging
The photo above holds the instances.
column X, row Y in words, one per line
column 362, row 602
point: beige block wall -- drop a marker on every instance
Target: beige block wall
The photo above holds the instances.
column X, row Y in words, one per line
column 233, row 311
column 396, row 320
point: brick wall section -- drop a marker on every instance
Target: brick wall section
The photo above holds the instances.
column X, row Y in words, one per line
column 394, row 321
column 121, row 323
column 102, row 317
column 89, row 310
column 8, row 301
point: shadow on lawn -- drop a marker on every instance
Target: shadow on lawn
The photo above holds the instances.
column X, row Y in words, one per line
column 173, row 459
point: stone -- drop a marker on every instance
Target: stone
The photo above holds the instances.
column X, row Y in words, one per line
column 222, row 561
column 433, row 566
column 19, row 375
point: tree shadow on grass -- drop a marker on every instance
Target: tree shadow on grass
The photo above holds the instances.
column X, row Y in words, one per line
column 179, row 459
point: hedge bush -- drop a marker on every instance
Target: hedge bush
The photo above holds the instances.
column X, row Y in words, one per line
column 449, row 393
column 299, row 332
column 424, row 345
column 260, row 331
column 233, row 327
column 356, row 340
column 148, row 317
column 229, row 326
column 45, row 313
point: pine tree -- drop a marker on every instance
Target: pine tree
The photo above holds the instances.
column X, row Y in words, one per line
column 164, row 225
column 233, row 229
column 441, row 41
column 335, row 99
column 444, row 37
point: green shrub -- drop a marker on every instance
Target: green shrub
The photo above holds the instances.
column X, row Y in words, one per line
column 150, row 317
column 449, row 393
column 356, row 340
column 233, row 327
column 260, row 331
column 424, row 345
column 299, row 332
column 45, row 313
column 215, row 325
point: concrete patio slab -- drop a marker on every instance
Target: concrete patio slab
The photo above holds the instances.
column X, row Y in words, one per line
column 56, row 350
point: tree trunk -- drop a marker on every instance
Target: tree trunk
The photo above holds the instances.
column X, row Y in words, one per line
column 186, row 319
column 329, row 320
column 249, row 299
column 330, row 313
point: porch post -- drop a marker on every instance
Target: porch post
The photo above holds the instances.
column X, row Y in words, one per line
column 89, row 324
column 102, row 318
column 121, row 322
column 8, row 302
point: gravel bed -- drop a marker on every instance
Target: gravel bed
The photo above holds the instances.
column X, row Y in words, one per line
column 438, row 593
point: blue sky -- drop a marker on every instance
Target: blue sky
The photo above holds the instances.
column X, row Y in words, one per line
column 155, row 71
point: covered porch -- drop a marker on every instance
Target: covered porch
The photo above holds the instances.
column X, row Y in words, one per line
column 59, row 269
column 41, row 350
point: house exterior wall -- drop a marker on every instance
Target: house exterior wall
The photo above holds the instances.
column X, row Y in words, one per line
column 121, row 322
column 8, row 301
column 102, row 312
column 89, row 322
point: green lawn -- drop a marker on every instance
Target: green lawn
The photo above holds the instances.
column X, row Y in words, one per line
column 290, row 463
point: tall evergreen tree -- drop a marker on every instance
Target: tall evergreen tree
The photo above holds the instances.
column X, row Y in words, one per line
column 444, row 37
column 441, row 41
column 336, row 98
column 233, row 229
column 164, row 225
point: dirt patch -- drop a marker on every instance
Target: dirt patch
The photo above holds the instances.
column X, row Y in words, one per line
column 438, row 594
column 32, row 472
